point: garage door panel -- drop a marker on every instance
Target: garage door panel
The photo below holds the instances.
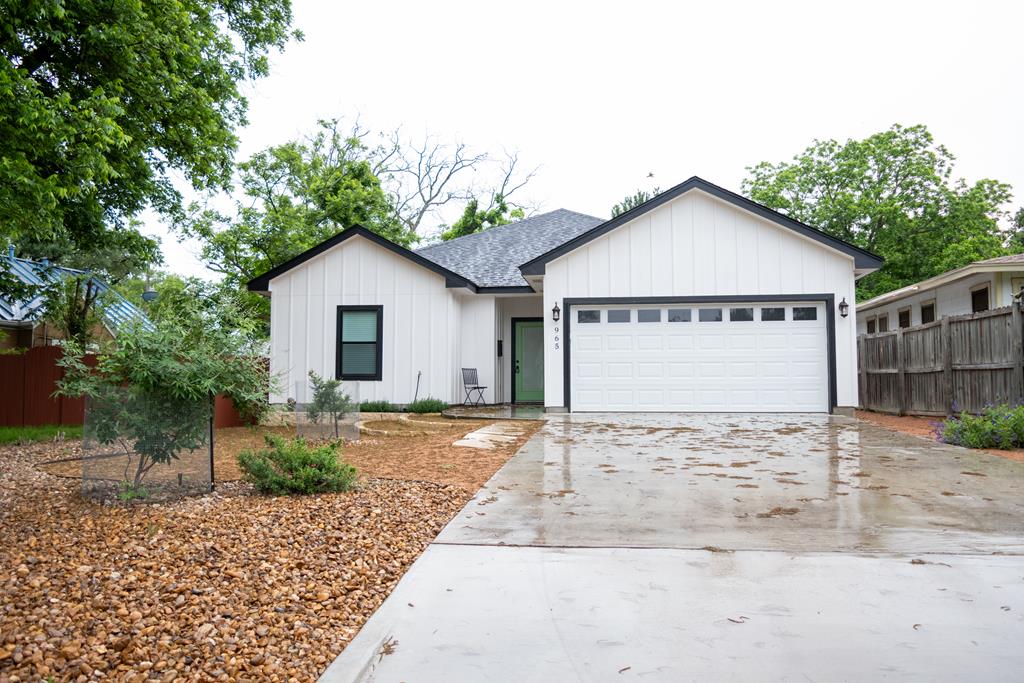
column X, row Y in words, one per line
column 688, row 365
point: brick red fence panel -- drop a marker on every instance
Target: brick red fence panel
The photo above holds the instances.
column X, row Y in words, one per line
column 27, row 383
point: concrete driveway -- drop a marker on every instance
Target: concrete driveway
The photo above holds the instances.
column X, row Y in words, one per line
column 716, row 547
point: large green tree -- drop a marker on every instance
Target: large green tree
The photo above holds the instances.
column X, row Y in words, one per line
column 894, row 194
column 296, row 195
column 103, row 102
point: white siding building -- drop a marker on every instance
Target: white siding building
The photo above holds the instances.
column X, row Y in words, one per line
column 697, row 300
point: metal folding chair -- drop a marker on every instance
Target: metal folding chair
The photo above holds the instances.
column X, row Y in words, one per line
column 470, row 384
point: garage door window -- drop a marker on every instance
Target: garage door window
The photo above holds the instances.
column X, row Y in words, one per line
column 710, row 315
column 805, row 313
column 618, row 316
column 679, row 315
column 741, row 315
column 649, row 315
column 773, row 314
column 588, row 316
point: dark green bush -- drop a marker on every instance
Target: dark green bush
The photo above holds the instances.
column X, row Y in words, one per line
column 426, row 405
column 997, row 427
column 378, row 407
column 293, row 466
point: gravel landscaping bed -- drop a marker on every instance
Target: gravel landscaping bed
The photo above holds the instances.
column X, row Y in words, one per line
column 227, row 586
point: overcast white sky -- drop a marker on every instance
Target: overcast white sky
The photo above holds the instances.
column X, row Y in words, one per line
column 601, row 94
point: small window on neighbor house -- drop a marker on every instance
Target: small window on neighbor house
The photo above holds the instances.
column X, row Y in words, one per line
column 904, row 318
column 871, row 325
column 741, row 315
column 777, row 313
column 618, row 316
column 587, row 316
column 679, row 315
column 883, row 323
column 648, row 315
column 360, row 329
column 709, row 315
column 927, row 313
column 979, row 300
column 805, row 313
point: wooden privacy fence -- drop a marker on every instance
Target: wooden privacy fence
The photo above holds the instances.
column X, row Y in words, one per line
column 27, row 383
column 958, row 363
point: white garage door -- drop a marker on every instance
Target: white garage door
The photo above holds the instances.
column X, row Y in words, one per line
column 714, row 358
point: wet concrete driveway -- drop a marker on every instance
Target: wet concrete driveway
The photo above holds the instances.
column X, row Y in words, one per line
column 716, row 547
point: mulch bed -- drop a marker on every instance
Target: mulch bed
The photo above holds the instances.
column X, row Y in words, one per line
column 226, row 586
column 924, row 427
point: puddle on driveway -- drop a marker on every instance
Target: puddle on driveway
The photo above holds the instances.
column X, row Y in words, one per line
column 873, row 490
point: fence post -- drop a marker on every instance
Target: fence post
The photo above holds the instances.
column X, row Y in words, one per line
column 947, row 364
column 862, row 388
column 901, row 369
column 1017, row 382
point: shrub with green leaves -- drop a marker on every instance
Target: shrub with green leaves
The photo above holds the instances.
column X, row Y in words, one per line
column 381, row 406
column 290, row 466
column 999, row 426
column 427, row 405
column 329, row 402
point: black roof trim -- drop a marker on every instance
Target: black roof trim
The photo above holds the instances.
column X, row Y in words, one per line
column 506, row 289
column 261, row 283
column 861, row 257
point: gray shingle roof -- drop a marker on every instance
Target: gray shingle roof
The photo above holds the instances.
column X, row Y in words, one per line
column 491, row 258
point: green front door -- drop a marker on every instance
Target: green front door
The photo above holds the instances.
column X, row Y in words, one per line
column 528, row 360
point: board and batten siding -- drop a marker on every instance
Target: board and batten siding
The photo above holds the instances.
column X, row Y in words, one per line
column 421, row 322
column 697, row 245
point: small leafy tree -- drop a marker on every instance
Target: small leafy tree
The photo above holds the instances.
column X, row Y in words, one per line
column 329, row 401
column 150, row 392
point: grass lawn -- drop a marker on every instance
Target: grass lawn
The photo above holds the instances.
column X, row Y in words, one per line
column 23, row 435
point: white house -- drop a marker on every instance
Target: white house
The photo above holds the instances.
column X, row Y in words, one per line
column 976, row 287
column 697, row 300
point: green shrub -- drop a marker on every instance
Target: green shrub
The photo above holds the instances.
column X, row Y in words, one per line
column 293, row 466
column 426, row 405
column 999, row 426
column 378, row 407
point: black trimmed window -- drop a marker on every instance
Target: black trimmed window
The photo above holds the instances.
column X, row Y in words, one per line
column 360, row 343
column 588, row 316
column 709, row 315
column 805, row 313
column 773, row 314
column 679, row 315
column 741, row 315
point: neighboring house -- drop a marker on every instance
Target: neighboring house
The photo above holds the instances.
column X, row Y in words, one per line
column 976, row 287
column 24, row 321
column 697, row 300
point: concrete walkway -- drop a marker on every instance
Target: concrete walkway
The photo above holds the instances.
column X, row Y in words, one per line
column 698, row 547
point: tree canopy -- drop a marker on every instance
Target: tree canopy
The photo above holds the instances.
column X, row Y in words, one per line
column 892, row 193
column 102, row 102
column 475, row 219
column 631, row 201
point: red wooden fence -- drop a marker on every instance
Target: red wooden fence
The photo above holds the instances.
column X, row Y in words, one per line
column 27, row 383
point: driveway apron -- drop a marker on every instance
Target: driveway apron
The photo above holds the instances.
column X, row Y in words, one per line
column 716, row 547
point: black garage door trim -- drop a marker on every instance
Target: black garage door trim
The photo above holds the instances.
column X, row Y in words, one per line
column 827, row 299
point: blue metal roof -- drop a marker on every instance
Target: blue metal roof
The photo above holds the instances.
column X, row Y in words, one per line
column 117, row 311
